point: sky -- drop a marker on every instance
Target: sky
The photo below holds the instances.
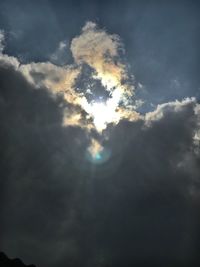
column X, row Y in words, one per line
column 100, row 133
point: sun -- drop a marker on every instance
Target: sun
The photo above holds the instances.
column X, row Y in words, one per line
column 102, row 114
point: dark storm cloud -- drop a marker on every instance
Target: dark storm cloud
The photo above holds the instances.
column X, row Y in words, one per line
column 38, row 161
column 146, row 215
column 140, row 208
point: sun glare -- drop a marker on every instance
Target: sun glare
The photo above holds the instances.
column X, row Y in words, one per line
column 102, row 114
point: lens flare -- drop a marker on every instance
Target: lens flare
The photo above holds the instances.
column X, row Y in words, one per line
column 98, row 156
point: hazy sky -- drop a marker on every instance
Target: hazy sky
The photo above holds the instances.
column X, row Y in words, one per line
column 140, row 205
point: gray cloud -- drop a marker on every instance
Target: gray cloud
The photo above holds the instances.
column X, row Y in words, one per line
column 56, row 208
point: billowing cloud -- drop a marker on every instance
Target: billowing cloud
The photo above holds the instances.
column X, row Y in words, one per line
column 148, row 189
column 103, row 53
column 100, row 51
column 161, row 109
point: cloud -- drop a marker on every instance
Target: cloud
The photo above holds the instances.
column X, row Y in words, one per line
column 2, row 38
column 102, row 53
column 91, row 215
column 60, row 56
column 147, row 190
column 5, row 59
column 99, row 50
column 197, row 132
column 158, row 113
column 32, row 140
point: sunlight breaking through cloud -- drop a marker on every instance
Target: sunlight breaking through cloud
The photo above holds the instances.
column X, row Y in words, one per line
column 102, row 53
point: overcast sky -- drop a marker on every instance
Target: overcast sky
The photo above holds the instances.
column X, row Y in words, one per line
column 140, row 206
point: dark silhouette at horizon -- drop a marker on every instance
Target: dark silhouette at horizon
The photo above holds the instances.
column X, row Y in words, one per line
column 6, row 262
